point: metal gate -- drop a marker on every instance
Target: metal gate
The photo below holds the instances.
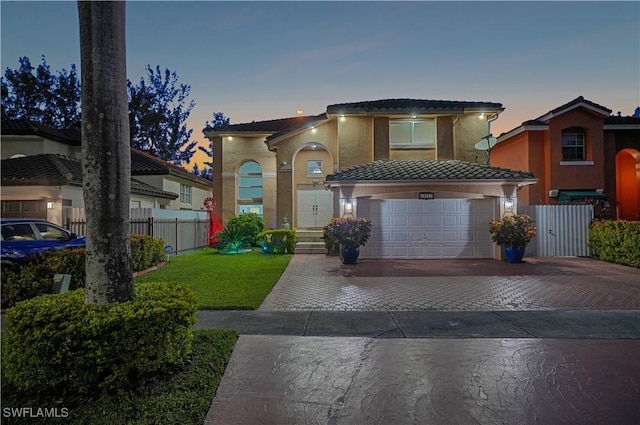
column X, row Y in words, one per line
column 563, row 230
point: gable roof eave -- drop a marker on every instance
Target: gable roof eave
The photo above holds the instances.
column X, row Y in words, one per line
column 526, row 126
column 280, row 137
column 579, row 102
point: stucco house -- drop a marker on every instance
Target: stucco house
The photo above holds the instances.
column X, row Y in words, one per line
column 41, row 173
column 409, row 165
column 579, row 152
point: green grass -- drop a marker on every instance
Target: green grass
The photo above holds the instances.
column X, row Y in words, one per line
column 224, row 282
column 180, row 396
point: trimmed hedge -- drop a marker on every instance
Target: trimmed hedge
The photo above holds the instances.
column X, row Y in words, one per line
column 146, row 252
column 59, row 343
column 616, row 241
column 36, row 276
column 280, row 241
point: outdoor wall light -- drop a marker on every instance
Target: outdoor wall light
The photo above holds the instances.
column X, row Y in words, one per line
column 348, row 206
column 51, row 205
column 342, row 118
column 481, row 115
column 508, row 205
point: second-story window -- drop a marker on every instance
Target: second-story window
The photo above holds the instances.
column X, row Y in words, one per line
column 314, row 168
column 412, row 133
column 573, row 145
column 185, row 194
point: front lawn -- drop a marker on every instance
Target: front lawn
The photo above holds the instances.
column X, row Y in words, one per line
column 180, row 396
column 224, row 282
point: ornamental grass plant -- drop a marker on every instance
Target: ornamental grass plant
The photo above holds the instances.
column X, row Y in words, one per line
column 513, row 231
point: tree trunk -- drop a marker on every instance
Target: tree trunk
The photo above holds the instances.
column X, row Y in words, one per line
column 106, row 153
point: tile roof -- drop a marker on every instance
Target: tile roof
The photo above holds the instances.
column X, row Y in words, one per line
column 54, row 169
column 23, row 127
column 410, row 170
column 615, row 120
column 574, row 102
column 144, row 164
column 269, row 126
column 409, row 106
column 141, row 163
column 45, row 169
column 275, row 128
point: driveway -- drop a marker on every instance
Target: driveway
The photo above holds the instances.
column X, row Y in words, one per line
column 552, row 340
column 320, row 283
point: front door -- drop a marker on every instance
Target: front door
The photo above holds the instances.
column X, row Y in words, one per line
column 315, row 208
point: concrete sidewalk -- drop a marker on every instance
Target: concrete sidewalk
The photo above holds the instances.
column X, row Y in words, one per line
column 593, row 324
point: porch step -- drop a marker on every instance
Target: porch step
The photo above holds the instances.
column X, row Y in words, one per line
column 310, row 248
column 309, row 242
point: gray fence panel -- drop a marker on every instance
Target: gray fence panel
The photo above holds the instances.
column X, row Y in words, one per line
column 182, row 230
column 563, row 230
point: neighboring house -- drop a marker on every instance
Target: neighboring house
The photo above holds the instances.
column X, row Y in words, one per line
column 41, row 173
column 409, row 165
column 580, row 153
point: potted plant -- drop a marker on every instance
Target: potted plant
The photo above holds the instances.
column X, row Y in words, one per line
column 350, row 233
column 514, row 233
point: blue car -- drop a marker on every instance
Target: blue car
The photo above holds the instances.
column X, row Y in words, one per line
column 24, row 236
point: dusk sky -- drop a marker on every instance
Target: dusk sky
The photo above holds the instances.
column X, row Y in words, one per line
column 265, row 60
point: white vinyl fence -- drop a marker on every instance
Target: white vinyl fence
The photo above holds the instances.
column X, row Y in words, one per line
column 182, row 230
column 563, row 230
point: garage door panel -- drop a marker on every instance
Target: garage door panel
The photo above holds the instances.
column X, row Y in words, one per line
column 441, row 228
column 416, row 220
column 399, row 236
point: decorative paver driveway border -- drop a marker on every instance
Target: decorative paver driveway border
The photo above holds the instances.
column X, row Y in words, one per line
column 321, row 283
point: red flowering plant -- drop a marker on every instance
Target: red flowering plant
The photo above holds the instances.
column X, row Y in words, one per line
column 349, row 232
column 514, row 231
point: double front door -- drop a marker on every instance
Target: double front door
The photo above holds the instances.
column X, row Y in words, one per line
column 315, row 208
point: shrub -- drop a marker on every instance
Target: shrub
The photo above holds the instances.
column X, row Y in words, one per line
column 35, row 277
column 232, row 238
column 59, row 343
column 278, row 241
column 251, row 223
column 513, row 231
column 22, row 283
column 146, row 252
column 350, row 232
column 616, row 241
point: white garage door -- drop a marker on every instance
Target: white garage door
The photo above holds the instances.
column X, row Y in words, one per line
column 435, row 228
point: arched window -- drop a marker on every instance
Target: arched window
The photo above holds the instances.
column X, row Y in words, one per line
column 250, row 188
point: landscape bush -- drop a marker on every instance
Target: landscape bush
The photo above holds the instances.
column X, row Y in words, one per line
column 616, row 241
column 278, row 241
column 35, row 277
column 251, row 223
column 146, row 252
column 59, row 343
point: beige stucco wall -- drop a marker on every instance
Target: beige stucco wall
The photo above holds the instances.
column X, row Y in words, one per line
column 33, row 145
column 418, row 154
column 355, row 141
column 236, row 151
column 469, row 129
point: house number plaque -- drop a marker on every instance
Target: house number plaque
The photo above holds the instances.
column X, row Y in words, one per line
column 426, row 195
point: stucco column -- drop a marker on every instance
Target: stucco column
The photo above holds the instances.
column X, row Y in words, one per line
column 284, row 195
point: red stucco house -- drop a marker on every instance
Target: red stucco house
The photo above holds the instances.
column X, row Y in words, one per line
column 580, row 153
